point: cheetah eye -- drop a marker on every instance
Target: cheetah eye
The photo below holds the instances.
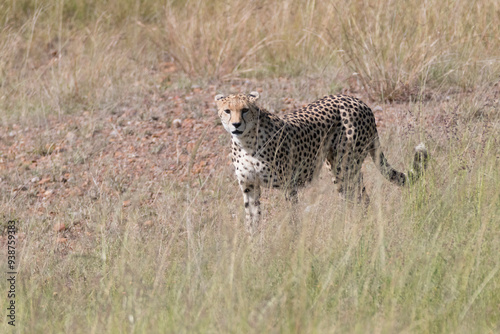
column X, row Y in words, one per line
column 245, row 110
column 227, row 111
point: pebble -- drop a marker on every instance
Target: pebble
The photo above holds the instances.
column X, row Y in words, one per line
column 177, row 123
column 58, row 227
column 71, row 137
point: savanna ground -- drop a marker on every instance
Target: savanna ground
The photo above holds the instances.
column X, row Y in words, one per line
column 115, row 167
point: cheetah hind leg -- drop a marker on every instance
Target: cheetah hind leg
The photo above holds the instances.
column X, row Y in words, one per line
column 352, row 189
column 361, row 193
column 350, row 185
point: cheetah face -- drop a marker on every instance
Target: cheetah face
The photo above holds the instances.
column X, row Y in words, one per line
column 238, row 113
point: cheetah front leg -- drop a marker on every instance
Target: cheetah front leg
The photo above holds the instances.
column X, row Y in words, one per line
column 291, row 196
column 251, row 199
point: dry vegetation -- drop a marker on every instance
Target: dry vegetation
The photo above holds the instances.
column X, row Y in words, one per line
column 115, row 167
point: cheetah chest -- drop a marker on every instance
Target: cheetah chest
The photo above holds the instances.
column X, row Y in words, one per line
column 280, row 162
column 251, row 167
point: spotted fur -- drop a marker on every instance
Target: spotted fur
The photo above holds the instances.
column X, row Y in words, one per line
column 288, row 152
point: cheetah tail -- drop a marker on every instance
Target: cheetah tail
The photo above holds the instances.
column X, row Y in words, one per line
column 420, row 162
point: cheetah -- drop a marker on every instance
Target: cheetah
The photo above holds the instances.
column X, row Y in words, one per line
column 288, row 152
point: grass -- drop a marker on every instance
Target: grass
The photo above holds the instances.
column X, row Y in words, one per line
column 70, row 55
column 170, row 254
column 421, row 260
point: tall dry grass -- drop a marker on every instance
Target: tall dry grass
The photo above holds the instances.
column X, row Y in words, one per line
column 58, row 56
column 420, row 260
column 394, row 47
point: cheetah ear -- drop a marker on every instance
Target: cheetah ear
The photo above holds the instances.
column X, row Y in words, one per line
column 219, row 97
column 253, row 96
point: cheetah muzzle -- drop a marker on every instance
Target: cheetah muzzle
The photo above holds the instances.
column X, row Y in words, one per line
column 288, row 152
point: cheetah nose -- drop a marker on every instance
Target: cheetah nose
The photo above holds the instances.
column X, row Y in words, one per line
column 237, row 125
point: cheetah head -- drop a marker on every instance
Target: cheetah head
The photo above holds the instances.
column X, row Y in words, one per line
column 238, row 113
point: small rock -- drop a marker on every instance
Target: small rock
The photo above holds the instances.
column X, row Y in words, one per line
column 12, row 134
column 93, row 194
column 157, row 149
column 177, row 123
column 44, row 180
column 59, row 227
column 377, row 109
column 126, row 203
column 71, row 137
column 148, row 223
column 309, row 208
column 35, row 179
